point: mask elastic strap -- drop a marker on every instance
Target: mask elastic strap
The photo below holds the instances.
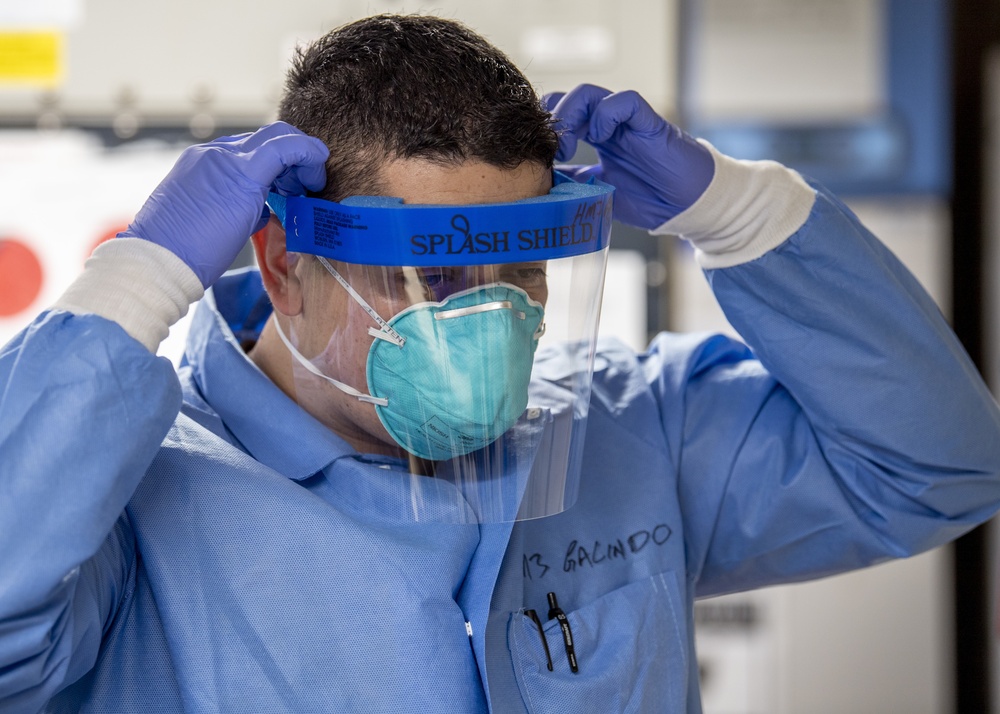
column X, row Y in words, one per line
column 386, row 333
column 360, row 396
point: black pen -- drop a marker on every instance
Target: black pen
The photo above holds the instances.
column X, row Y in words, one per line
column 558, row 614
column 545, row 643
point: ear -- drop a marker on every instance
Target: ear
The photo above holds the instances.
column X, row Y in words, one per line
column 277, row 268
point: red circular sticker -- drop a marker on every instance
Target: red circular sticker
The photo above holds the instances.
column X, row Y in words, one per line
column 20, row 276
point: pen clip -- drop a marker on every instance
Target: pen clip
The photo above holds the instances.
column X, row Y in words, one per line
column 545, row 643
column 556, row 612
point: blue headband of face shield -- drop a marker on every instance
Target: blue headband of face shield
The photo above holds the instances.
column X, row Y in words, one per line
column 572, row 219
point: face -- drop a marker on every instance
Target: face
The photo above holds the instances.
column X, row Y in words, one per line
column 330, row 328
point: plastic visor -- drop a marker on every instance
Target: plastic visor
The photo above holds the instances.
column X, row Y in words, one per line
column 466, row 335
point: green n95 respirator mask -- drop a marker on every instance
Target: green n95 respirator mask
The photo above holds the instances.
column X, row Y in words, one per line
column 450, row 377
column 483, row 323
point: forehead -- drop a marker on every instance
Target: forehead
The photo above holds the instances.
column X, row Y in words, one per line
column 421, row 181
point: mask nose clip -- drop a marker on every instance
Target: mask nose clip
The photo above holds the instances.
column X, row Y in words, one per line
column 476, row 309
column 488, row 307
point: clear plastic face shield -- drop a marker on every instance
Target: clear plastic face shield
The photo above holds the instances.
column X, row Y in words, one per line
column 456, row 342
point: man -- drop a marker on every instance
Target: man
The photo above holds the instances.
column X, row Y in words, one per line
column 229, row 553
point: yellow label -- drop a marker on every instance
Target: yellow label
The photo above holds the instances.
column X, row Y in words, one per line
column 34, row 58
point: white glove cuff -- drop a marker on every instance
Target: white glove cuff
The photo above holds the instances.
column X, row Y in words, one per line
column 749, row 208
column 142, row 286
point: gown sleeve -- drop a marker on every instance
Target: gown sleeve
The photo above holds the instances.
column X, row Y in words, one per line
column 854, row 429
column 84, row 405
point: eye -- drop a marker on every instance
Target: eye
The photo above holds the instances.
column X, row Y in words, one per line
column 438, row 282
column 524, row 274
column 425, row 277
column 434, row 279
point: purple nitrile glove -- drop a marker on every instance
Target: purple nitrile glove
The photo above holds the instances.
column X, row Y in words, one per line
column 657, row 169
column 213, row 198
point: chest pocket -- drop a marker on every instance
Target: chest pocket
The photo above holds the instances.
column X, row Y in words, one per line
column 630, row 646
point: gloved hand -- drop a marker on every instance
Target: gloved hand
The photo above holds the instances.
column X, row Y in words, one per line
column 213, row 198
column 657, row 169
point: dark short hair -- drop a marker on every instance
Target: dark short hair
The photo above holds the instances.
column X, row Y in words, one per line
column 412, row 86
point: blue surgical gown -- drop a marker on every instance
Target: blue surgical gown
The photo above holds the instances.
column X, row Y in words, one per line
column 194, row 542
